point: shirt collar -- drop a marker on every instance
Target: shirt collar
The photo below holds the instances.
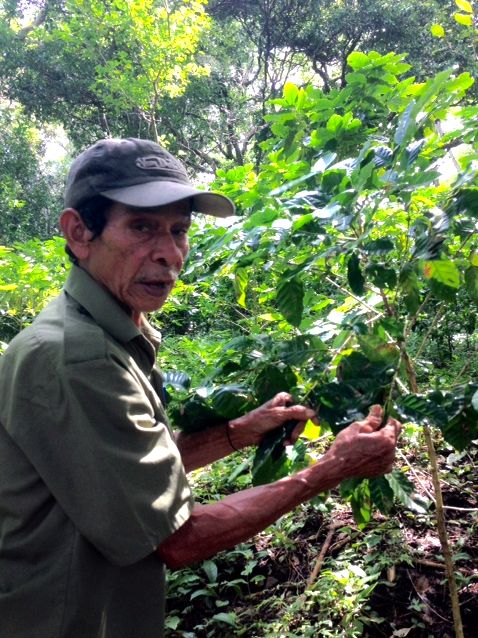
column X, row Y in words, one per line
column 106, row 310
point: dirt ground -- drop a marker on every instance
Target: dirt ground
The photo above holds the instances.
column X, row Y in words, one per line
column 412, row 597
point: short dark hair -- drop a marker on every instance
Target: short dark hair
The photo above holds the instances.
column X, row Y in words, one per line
column 94, row 213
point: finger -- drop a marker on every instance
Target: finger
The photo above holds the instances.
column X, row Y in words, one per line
column 296, row 432
column 376, row 411
column 299, row 413
column 281, row 398
column 393, row 426
column 374, row 419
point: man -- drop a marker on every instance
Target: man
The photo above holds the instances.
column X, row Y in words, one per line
column 94, row 499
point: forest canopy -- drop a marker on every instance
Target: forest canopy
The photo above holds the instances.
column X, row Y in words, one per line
column 346, row 133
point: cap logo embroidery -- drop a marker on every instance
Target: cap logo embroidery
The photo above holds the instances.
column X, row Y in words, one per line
column 156, row 163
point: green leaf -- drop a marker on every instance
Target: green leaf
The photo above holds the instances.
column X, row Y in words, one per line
column 172, row 622
column 381, row 276
column 464, row 19
column 229, row 618
column 406, row 124
column 381, row 494
column 421, row 409
column 442, row 291
column 404, row 491
column 357, row 60
column 453, row 412
column 323, row 162
column 356, row 78
column 178, row 380
column 241, row 279
column 379, row 351
column 195, row 415
column 427, row 246
column 357, row 493
column 231, row 401
column 354, row 275
column 437, row 31
column 413, row 150
column 290, row 300
column 210, row 569
column 271, row 380
column 302, row 349
column 378, row 246
column 471, row 282
column 464, row 5
column 443, row 271
column 334, row 123
column 462, row 426
column 291, row 92
column 464, row 201
column 270, row 461
column 383, row 156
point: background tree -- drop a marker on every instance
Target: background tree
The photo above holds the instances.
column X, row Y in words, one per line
column 30, row 186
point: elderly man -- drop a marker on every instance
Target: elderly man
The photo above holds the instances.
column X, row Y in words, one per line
column 94, row 500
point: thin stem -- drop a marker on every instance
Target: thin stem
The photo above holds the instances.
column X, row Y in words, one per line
column 440, row 511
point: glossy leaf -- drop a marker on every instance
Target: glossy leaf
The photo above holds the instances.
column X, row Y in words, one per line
column 357, row 60
column 379, row 351
column 464, row 18
column 471, row 281
column 405, row 492
column 421, row 409
column 241, row 279
column 178, row 380
column 381, row 276
column 453, row 412
column 270, row 461
column 291, row 92
column 383, row 156
column 290, row 300
column 428, row 246
column 464, row 5
column 271, row 380
column 437, row 31
column 409, row 285
column 357, row 493
column 381, row 494
column 230, row 401
column 413, row 150
column 406, row 124
column 443, row 271
column 379, row 246
column 302, row 349
column 354, row 275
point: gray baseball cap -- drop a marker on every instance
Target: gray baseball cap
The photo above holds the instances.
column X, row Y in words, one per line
column 137, row 173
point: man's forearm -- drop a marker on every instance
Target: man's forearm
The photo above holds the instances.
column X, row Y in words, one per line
column 215, row 443
column 364, row 449
column 234, row 519
column 207, row 446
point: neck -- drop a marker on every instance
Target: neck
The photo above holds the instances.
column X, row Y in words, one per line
column 137, row 318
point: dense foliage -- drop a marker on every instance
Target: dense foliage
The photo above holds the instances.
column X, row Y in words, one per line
column 348, row 277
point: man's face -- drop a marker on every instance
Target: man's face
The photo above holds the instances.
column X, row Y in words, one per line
column 139, row 254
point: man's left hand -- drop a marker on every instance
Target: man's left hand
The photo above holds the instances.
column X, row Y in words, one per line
column 251, row 428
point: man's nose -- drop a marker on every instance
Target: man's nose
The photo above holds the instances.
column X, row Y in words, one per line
column 167, row 251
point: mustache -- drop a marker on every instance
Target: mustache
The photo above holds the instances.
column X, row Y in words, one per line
column 169, row 275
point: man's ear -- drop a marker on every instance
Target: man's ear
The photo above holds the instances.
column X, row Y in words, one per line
column 77, row 235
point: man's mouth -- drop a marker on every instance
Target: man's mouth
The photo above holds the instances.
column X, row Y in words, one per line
column 157, row 288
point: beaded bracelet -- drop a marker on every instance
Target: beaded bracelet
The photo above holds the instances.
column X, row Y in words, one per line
column 228, row 434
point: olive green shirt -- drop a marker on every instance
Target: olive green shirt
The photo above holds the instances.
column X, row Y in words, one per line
column 91, row 481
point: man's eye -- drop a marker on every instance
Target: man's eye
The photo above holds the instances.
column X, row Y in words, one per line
column 141, row 227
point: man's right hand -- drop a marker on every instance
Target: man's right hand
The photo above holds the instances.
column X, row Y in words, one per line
column 364, row 448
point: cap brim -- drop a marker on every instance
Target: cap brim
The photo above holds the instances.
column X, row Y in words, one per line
column 160, row 193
